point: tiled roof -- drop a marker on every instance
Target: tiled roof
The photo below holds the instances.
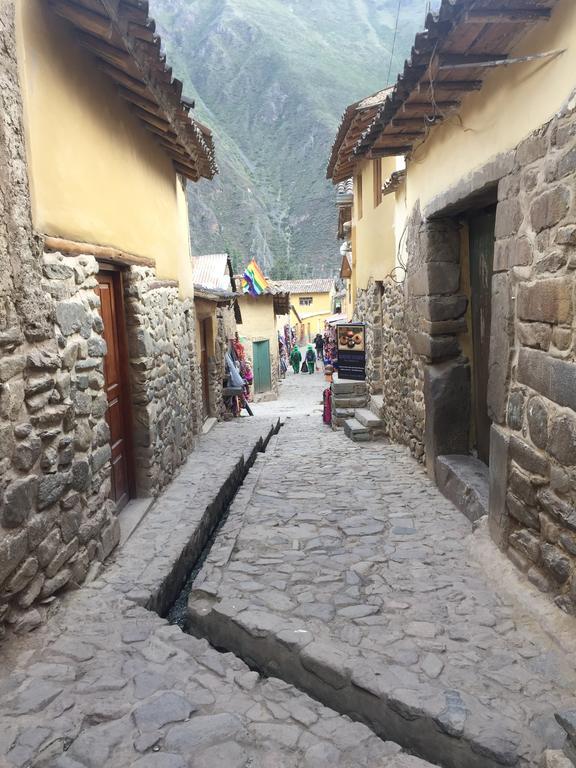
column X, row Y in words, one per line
column 212, row 271
column 462, row 44
column 121, row 36
column 315, row 285
column 355, row 120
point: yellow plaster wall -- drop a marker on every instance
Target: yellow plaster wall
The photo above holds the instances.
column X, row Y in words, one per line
column 513, row 102
column 373, row 238
column 258, row 323
column 96, row 174
column 315, row 313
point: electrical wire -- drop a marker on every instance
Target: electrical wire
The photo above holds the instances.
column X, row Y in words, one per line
column 393, row 43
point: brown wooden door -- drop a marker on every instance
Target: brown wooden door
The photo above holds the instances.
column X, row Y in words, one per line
column 481, row 229
column 115, row 374
column 204, row 328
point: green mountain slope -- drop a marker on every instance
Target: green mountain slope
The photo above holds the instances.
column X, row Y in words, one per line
column 272, row 78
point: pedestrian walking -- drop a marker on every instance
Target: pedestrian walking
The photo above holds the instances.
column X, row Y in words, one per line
column 310, row 358
column 295, row 359
column 319, row 344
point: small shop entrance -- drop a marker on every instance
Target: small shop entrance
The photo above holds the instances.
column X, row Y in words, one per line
column 481, row 251
column 116, row 382
column 262, row 370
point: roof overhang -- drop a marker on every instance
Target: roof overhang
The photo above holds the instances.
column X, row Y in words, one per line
column 462, row 44
column 121, row 37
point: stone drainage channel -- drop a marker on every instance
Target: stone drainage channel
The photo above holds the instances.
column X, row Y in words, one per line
column 289, row 655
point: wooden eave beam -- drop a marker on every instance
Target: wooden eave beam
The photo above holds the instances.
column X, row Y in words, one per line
column 427, row 105
column 517, row 15
column 166, row 97
column 121, row 78
column 450, row 85
column 389, row 151
column 110, row 53
column 85, row 19
column 448, row 60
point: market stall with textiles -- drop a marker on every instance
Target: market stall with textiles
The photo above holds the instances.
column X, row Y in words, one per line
column 239, row 378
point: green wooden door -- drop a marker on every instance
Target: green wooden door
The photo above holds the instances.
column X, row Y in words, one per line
column 262, row 371
column 481, row 227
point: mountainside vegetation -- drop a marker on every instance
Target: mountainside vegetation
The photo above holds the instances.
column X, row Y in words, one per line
column 271, row 78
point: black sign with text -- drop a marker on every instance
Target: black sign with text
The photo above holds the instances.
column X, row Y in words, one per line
column 351, row 342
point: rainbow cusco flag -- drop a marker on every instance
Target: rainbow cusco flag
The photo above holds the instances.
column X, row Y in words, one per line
column 255, row 282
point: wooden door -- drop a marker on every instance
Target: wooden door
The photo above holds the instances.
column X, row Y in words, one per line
column 481, row 243
column 262, row 371
column 204, row 328
column 116, row 383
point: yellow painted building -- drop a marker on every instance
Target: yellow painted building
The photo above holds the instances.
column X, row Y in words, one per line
column 99, row 173
column 313, row 302
column 258, row 331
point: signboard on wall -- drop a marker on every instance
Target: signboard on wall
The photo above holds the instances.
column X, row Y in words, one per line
column 351, row 342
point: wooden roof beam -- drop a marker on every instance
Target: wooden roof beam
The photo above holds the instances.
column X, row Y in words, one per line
column 168, row 99
column 389, row 151
column 449, row 60
column 450, row 85
column 84, row 18
column 506, row 15
column 426, row 105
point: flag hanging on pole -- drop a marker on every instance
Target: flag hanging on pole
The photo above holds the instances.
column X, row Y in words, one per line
column 254, row 281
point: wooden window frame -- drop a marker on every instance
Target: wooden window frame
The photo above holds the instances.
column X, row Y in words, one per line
column 305, row 301
column 358, row 197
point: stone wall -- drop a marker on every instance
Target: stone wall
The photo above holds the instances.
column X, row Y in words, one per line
column 165, row 380
column 533, row 359
column 368, row 310
column 402, row 373
column 392, row 369
column 55, row 515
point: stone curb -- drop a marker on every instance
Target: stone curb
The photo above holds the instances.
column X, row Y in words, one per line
column 431, row 722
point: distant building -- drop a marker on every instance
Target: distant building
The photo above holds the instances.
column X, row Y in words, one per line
column 99, row 385
column 258, row 332
column 216, row 314
column 463, row 253
column 313, row 302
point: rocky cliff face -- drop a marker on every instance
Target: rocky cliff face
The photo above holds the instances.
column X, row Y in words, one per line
column 271, row 78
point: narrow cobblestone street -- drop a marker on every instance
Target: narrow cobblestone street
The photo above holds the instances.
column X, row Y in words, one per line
column 340, row 574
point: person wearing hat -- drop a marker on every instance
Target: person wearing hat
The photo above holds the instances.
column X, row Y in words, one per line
column 310, row 358
column 295, row 359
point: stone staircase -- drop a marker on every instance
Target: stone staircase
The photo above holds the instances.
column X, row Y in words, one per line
column 356, row 411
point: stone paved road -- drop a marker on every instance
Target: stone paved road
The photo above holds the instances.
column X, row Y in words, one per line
column 106, row 683
column 341, row 568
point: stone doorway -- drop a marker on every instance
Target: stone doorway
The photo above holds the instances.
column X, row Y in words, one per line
column 480, row 227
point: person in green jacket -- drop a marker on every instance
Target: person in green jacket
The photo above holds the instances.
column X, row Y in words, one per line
column 295, row 359
column 310, row 358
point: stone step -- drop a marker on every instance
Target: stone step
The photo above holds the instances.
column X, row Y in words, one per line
column 349, row 401
column 367, row 418
column 376, row 405
column 349, row 387
column 356, row 431
column 465, row 481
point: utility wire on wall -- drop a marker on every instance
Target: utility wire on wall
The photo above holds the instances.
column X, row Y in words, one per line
column 393, row 43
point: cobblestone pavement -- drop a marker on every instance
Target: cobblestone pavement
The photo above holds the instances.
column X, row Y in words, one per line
column 106, row 683
column 342, row 569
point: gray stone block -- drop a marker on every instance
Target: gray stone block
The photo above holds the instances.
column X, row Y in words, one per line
column 500, row 341
column 553, row 378
column 447, row 402
column 18, row 503
column 464, row 480
column 546, row 300
column 498, row 519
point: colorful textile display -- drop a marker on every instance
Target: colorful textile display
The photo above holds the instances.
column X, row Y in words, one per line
column 254, row 281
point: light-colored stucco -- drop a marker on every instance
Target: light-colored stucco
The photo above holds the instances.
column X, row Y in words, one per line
column 513, row 102
column 258, row 324
column 96, row 175
column 373, row 239
column 312, row 315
